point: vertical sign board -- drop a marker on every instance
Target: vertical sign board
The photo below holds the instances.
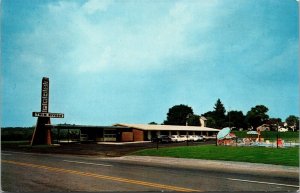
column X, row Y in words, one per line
column 45, row 95
column 41, row 134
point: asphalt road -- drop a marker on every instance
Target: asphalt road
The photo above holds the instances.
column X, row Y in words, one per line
column 33, row 172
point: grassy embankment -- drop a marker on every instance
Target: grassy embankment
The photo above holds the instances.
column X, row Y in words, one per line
column 281, row 156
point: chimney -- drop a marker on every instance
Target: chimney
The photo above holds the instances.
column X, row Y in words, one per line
column 202, row 121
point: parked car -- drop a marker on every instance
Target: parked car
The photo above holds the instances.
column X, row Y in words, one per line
column 182, row 138
column 175, row 138
column 165, row 139
column 190, row 138
column 197, row 137
column 161, row 139
column 203, row 138
column 211, row 137
column 155, row 139
column 282, row 129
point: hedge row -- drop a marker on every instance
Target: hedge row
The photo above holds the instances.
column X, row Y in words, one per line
column 270, row 134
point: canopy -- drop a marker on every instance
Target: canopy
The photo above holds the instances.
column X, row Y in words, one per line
column 252, row 133
column 223, row 133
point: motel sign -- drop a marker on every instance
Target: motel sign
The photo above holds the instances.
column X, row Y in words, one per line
column 42, row 134
column 51, row 115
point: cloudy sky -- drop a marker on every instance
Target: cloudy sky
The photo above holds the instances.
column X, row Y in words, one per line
column 112, row 61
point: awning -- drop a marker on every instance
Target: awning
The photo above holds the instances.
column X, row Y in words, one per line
column 223, row 133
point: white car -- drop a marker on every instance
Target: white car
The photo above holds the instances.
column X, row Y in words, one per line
column 196, row 138
column 203, row 138
column 182, row 138
column 175, row 138
column 282, row 129
column 190, row 137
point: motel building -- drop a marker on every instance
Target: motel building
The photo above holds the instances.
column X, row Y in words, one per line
column 123, row 132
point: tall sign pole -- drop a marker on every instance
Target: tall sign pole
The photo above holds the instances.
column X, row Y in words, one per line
column 42, row 134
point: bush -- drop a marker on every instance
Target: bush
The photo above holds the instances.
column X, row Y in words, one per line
column 16, row 133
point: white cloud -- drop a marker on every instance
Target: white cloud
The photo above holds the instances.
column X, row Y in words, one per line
column 92, row 6
column 83, row 44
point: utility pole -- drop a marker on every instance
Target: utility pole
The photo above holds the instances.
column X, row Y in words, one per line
column 186, row 124
column 277, row 133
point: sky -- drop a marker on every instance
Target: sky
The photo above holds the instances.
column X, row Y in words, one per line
column 115, row 61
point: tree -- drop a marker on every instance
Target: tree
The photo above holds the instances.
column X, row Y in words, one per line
column 210, row 122
column 208, row 114
column 219, row 114
column 152, row 123
column 216, row 118
column 177, row 115
column 257, row 116
column 219, row 110
column 193, row 120
column 293, row 122
column 236, row 119
column 274, row 123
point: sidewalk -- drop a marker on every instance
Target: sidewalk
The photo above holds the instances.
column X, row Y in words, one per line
column 213, row 165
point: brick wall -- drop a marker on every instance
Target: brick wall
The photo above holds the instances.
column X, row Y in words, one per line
column 138, row 135
column 127, row 136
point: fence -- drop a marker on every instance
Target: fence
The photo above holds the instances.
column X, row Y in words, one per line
column 260, row 142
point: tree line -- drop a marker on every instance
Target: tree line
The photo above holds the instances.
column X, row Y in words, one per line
column 220, row 118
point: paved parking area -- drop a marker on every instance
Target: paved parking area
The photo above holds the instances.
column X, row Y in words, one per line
column 100, row 149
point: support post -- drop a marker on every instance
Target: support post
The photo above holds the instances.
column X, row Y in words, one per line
column 41, row 134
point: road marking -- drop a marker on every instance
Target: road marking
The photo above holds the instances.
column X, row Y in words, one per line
column 260, row 182
column 124, row 180
column 88, row 163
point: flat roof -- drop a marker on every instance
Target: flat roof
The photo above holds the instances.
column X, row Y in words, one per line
column 73, row 126
column 150, row 127
column 145, row 127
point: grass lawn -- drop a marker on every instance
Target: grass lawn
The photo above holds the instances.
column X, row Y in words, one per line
column 281, row 156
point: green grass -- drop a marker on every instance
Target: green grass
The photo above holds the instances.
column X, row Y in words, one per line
column 281, row 156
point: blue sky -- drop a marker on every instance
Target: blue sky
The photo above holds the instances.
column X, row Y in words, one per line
column 114, row 61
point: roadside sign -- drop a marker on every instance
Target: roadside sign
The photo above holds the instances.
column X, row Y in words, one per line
column 51, row 115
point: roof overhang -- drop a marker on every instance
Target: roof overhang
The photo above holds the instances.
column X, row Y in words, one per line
column 149, row 127
column 73, row 126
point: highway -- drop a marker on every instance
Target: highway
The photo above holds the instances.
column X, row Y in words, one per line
column 33, row 172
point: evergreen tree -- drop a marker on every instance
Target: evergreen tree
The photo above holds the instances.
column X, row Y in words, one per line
column 219, row 114
column 216, row 118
